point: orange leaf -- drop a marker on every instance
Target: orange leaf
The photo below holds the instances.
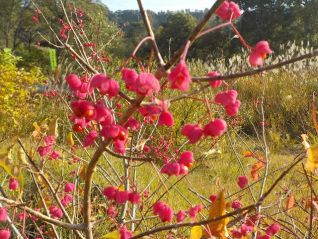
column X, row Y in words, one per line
column 255, row 169
column 248, row 154
column 217, row 228
column 290, row 203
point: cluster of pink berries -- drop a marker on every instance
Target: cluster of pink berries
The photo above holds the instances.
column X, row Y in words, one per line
column 228, row 100
column 68, row 197
column 121, row 196
column 166, row 213
column 13, row 184
column 48, row 148
column 180, row 167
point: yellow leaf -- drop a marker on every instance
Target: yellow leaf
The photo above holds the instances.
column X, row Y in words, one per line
column 53, row 128
column 111, row 235
column 312, row 160
column 196, row 232
column 82, row 173
column 217, row 228
column 69, row 139
column 22, row 157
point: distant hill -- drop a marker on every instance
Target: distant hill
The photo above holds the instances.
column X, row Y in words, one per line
column 124, row 17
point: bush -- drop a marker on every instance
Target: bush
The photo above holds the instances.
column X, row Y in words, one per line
column 17, row 94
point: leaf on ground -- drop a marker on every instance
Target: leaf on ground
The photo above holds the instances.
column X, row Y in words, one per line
column 196, row 232
column 217, row 228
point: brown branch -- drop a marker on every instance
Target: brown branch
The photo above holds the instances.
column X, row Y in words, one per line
column 194, row 34
column 128, row 157
column 41, row 216
column 314, row 53
column 150, row 33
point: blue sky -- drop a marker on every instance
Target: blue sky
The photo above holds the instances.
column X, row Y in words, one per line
column 157, row 5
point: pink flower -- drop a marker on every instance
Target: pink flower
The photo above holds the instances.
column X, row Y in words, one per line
column 119, row 146
column 251, row 220
column 245, row 229
column 105, row 85
column 170, row 169
column 83, row 108
column 236, row 234
column 264, row 237
column 186, row 158
column 124, row 233
column 90, row 138
column 143, row 84
column 150, row 110
column 180, row 77
column 164, row 212
column 181, row 215
column 146, row 84
column 21, row 216
column 5, row 234
column 215, row 128
column 242, row 181
column 215, row 83
column 228, row 10
column 56, row 212
column 103, row 114
column 130, row 77
column 13, row 184
column 110, row 192
column 55, row 155
column 226, row 97
column 259, row 53
column 183, row 169
column 110, row 131
column 213, row 198
column 112, row 212
column 69, row 187
column 44, row 150
column 193, row 211
column 193, row 132
column 133, row 124
column 236, row 204
column 157, row 207
column 49, row 140
column 67, row 199
column 273, row 229
column 232, row 109
column 121, row 197
column 134, row 197
column 166, row 118
column 3, row 214
column 73, row 81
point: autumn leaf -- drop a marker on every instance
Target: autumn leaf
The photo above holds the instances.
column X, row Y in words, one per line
column 248, row 154
column 53, row 128
column 217, row 228
column 256, row 168
column 312, row 159
column 69, row 139
column 290, row 202
column 196, row 232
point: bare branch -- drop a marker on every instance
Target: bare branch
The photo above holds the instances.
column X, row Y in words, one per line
column 41, row 216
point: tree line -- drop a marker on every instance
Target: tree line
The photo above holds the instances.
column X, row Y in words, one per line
column 278, row 21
